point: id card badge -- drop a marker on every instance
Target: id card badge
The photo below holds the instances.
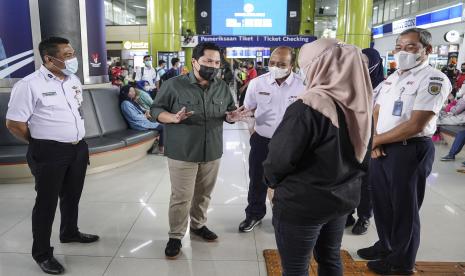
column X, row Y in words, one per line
column 397, row 110
column 81, row 112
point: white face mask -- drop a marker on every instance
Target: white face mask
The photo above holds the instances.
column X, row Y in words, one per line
column 71, row 66
column 406, row 60
column 278, row 73
column 147, row 88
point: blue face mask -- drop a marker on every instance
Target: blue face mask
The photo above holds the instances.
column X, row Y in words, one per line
column 71, row 66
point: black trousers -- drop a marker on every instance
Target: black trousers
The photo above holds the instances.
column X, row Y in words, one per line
column 59, row 170
column 399, row 181
column 296, row 243
column 365, row 207
column 257, row 188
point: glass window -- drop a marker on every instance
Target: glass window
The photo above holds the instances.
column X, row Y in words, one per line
column 423, row 4
column 414, row 6
column 380, row 11
column 392, row 10
column 375, row 15
column 387, row 10
column 399, row 8
column 407, row 6
column 125, row 12
column 432, row 3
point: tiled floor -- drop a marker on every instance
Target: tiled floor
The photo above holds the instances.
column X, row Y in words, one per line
column 128, row 208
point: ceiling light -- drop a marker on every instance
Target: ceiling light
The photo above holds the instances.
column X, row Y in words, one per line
column 139, row 7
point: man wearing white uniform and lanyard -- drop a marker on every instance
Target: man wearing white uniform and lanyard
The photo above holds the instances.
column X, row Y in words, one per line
column 45, row 109
column 268, row 96
column 147, row 72
column 405, row 117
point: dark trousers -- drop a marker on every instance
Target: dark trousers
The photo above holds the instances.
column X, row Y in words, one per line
column 257, row 188
column 59, row 170
column 242, row 97
column 296, row 243
column 365, row 207
column 458, row 144
column 398, row 190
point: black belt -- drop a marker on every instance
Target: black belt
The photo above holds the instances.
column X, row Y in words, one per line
column 56, row 142
column 413, row 140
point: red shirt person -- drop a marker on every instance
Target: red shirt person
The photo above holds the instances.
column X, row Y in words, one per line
column 251, row 74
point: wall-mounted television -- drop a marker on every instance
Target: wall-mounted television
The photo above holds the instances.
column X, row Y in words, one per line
column 249, row 17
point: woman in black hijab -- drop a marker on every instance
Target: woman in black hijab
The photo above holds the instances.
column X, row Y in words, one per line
column 365, row 208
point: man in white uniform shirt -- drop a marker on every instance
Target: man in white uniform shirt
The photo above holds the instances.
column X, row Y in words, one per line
column 405, row 115
column 268, row 96
column 147, row 72
column 45, row 109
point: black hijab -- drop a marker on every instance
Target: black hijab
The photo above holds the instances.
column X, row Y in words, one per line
column 375, row 66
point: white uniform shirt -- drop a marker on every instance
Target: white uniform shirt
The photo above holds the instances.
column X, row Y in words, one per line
column 422, row 88
column 149, row 75
column 271, row 100
column 50, row 106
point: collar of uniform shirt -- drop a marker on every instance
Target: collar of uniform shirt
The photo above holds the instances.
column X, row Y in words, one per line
column 46, row 73
column 417, row 69
column 288, row 81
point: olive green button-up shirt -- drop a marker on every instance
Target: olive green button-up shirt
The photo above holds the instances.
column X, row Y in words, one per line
column 198, row 138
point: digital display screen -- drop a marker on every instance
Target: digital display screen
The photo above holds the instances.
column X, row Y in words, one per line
column 249, row 17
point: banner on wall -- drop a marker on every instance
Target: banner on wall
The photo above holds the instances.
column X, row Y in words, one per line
column 293, row 41
column 16, row 48
column 97, row 54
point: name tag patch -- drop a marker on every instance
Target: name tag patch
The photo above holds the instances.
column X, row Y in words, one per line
column 434, row 88
column 436, row 79
column 52, row 93
column 264, row 93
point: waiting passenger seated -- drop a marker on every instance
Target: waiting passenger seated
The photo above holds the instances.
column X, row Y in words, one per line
column 454, row 115
column 143, row 97
column 136, row 116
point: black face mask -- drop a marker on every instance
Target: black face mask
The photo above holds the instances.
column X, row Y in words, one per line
column 463, row 70
column 208, row 73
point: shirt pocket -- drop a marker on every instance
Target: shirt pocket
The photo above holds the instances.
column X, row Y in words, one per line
column 263, row 98
column 50, row 104
column 190, row 104
column 408, row 99
column 219, row 107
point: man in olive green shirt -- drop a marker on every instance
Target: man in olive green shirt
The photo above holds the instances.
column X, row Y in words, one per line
column 193, row 108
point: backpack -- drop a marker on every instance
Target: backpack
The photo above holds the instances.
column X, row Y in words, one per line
column 168, row 75
column 141, row 73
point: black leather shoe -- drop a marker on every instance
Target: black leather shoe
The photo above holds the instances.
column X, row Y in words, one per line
column 372, row 253
column 51, row 266
column 173, row 248
column 248, row 224
column 350, row 220
column 205, row 234
column 81, row 238
column 361, row 226
column 383, row 268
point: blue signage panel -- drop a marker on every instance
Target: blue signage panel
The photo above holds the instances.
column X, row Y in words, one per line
column 434, row 18
column 294, row 41
column 16, row 49
column 454, row 12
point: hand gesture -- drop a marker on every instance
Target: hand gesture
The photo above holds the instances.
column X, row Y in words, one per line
column 236, row 115
column 181, row 115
